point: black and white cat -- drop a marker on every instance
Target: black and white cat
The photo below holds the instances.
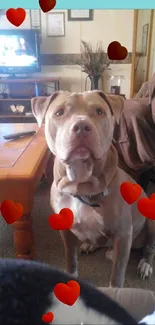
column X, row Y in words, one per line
column 26, row 293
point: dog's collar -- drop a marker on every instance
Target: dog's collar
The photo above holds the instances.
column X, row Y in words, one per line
column 91, row 200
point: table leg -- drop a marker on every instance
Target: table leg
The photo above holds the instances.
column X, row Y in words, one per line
column 24, row 238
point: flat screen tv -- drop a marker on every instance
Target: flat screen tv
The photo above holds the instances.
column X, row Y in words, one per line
column 19, row 51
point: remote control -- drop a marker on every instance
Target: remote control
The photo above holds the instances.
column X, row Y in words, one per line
column 18, row 135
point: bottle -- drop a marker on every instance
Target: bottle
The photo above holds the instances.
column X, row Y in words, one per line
column 116, row 84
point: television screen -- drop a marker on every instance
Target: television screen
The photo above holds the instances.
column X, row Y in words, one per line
column 19, row 51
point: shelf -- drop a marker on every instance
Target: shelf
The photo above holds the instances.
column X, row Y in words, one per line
column 16, row 116
column 29, row 80
column 14, row 99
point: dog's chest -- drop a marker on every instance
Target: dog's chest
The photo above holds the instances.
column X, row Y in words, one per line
column 88, row 224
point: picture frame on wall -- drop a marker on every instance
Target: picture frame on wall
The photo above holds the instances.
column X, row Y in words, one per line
column 145, row 39
column 55, row 24
column 35, row 18
column 80, row 15
column 35, row 21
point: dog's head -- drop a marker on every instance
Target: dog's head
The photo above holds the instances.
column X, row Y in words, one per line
column 78, row 125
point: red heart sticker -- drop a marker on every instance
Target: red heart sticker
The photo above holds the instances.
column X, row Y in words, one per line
column 11, row 211
column 116, row 51
column 48, row 318
column 16, row 16
column 146, row 207
column 62, row 221
column 67, row 293
column 152, row 197
column 47, row 5
column 130, row 192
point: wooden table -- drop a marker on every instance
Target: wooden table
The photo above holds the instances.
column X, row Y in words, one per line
column 22, row 163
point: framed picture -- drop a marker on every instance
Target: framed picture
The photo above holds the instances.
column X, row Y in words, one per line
column 82, row 15
column 35, row 20
column 55, row 24
column 145, row 39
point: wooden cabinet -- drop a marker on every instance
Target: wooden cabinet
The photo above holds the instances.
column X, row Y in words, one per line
column 19, row 91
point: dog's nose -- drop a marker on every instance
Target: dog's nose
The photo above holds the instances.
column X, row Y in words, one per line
column 82, row 127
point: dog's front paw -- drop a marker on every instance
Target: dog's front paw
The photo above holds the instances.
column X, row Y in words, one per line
column 145, row 270
column 88, row 248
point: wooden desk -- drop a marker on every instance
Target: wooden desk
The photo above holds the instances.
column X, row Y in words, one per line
column 22, row 163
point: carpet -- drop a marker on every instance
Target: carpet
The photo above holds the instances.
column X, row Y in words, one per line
column 49, row 248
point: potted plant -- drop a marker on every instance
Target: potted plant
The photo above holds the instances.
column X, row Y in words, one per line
column 93, row 63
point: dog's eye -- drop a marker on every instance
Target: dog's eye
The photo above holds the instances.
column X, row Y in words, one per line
column 99, row 111
column 60, row 112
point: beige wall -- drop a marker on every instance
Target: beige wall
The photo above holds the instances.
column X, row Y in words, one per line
column 107, row 26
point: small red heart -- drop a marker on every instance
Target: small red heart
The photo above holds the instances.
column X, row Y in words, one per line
column 48, row 318
column 47, row 5
column 16, row 16
column 11, row 211
column 146, row 207
column 130, row 192
column 67, row 293
column 116, row 51
column 62, row 221
column 152, row 197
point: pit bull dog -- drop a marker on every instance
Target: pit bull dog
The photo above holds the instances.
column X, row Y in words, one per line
column 79, row 132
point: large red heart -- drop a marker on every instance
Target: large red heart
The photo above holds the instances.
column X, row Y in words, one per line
column 47, row 5
column 116, row 51
column 11, row 211
column 16, row 16
column 146, row 207
column 48, row 318
column 130, row 192
column 67, row 293
column 62, row 221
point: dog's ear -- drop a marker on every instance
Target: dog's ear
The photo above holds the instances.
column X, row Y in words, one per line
column 115, row 103
column 40, row 106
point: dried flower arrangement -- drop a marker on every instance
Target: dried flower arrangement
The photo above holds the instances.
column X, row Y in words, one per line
column 93, row 63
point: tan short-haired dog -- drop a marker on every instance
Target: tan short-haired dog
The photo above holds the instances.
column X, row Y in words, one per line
column 79, row 132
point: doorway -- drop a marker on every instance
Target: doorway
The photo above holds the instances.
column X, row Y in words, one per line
column 141, row 54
